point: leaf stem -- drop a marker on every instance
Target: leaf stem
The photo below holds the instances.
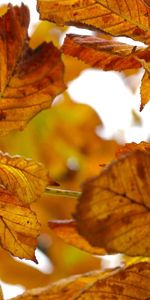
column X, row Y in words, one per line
column 60, row 192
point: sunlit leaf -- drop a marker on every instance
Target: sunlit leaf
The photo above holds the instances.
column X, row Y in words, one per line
column 29, row 79
column 19, row 227
column 24, row 178
column 67, row 231
column 131, row 282
column 104, row 54
column 119, row 18
column 113, row 211
column 22, row 181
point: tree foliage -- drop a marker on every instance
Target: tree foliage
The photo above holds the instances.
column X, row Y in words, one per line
column 112, row 212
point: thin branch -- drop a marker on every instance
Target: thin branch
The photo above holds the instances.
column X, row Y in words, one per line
column 64, row 193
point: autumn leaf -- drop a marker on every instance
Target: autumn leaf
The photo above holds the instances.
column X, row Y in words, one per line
column 29, row 78
column 116, row 18
column 131, row 282
column 130, row 147
column 22, row 181
column 147, row 2
column 104, row 54
column 67, row 231
column 19, row 227
column 24, row 178
column 113, row 210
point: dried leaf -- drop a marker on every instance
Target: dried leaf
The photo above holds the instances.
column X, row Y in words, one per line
column 131, row 282
column 29, row 79
column 67, row 231
column 22, row 181
column 104, row 54
column 114, row 17
column 113, row 211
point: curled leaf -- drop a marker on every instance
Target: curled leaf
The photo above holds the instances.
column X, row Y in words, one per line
column 104, row 54
column 113, row 210
column 29, row 78
column 128, row 283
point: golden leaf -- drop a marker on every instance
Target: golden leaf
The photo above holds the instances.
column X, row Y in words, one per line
column 67, row 231
column 19, row 227
column 24, row 178
column 104, row 54
column 29, row 79
column 131, row 282
column 22, row 181
column 114, row 17
column 113, row 210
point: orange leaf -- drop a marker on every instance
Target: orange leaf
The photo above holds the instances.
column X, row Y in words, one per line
column 128, row 283
column 67, row 231
column 104, row 54
column 113, row 211
column 29, row 79
column 119, row 18
column 130, row 147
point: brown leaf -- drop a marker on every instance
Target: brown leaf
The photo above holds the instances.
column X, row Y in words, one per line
column 22, row 181
column 29, row 79
column 67, row 231
column 147, row 2
column 132, row 282
column 21, row 273
column 114, row 17
column 113, row 210
column 104, row 54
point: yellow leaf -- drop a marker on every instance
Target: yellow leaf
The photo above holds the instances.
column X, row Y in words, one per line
column 22, row 181
column 113, row 210
column 119, row 18
column 29, row 79
column 24, row 178
column 128, row 283
column 19, row 227
column 67, row 231
column 104, row 54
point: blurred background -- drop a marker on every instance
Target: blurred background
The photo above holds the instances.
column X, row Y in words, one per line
column 80, row 133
